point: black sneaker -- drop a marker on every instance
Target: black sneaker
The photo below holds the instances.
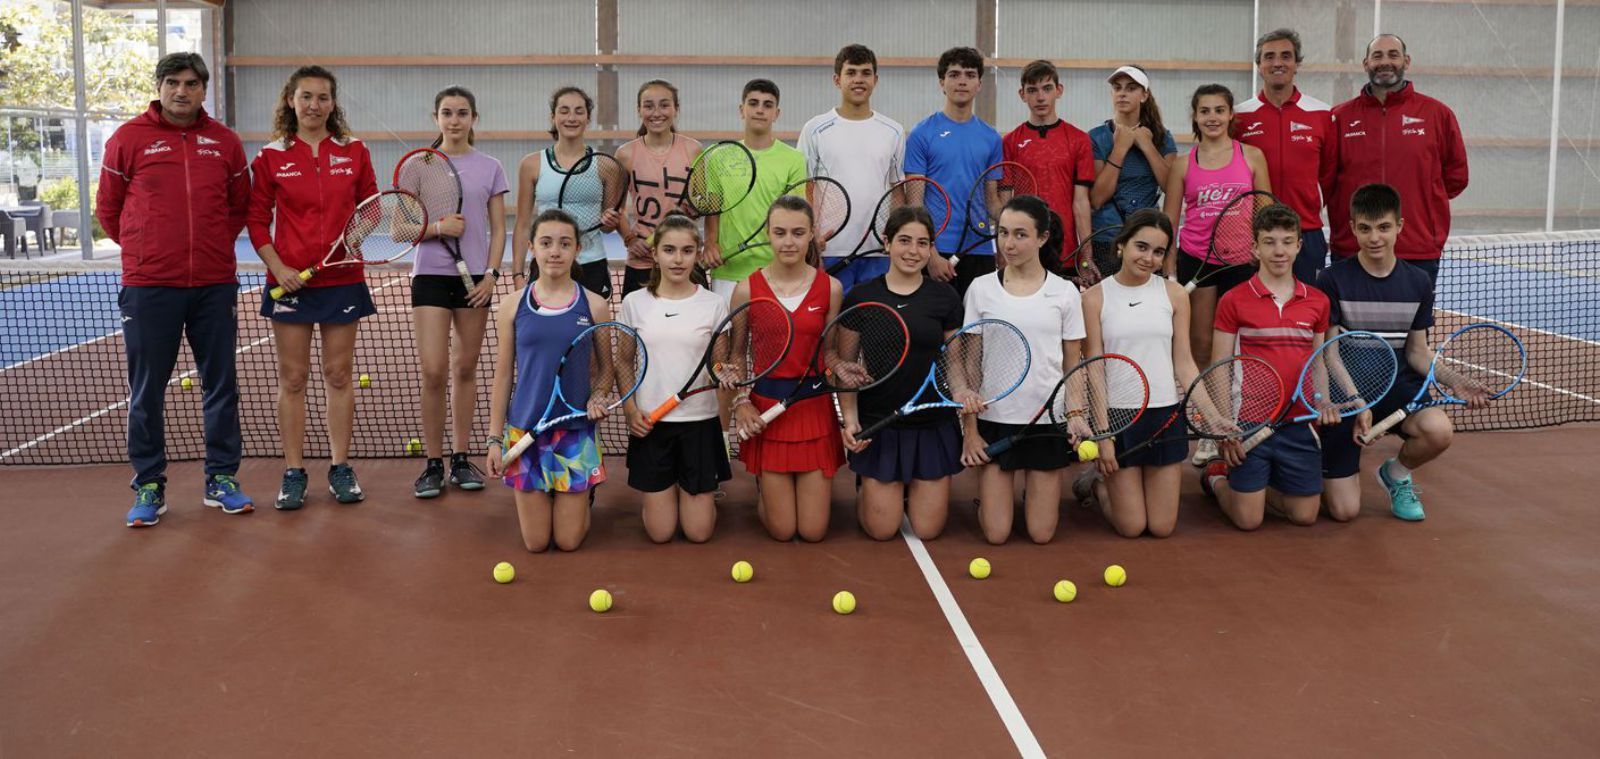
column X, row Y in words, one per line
column 292, row 494
column 342, row 484
column 431, row 483
column 463, row 473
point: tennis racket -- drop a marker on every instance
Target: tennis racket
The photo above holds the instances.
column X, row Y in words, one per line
column 986, row 360
column 1230, row 399
column 596, row 184
column 1100, row 398
column 830, row 204
column 1233, row 238
column 861, row 348
column 600, row 369
column 1347, row 375
column 981, row 214
column 383, row 227
column 429, row 175
column 1081, row 261
column 1483, row 360
column 746, row 346
column 720, row 178
column 909, row 191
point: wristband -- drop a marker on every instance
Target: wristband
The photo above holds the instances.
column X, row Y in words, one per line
column 496, row 441
column 1114, row 163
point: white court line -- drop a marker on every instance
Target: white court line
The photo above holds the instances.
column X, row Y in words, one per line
column 68, row 427
column 1514, row 325
column 1027, row 745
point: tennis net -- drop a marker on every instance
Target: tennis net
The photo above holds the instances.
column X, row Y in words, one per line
column 64, row 387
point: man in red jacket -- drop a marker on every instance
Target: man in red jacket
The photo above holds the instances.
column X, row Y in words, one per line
column 174, row 190
column 1294, row 131
column 1391, row 134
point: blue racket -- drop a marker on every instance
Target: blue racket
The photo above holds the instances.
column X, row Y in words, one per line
column 1479, row 361
column 986, row 360
column 1347, row 375
column 602, row 367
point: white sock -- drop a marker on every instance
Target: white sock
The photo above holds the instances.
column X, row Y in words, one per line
column 1396, row 470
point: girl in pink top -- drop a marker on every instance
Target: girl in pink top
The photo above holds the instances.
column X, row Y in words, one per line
column 658, row 164
column 1199, row 185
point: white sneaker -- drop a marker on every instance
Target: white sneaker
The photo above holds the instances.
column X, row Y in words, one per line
column 1204, row 453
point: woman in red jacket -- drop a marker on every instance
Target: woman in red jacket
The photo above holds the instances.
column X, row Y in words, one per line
column 305, row 185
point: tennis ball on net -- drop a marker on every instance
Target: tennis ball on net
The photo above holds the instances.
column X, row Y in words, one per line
column 1116, row 575
column 979, row 568
column 743, row 572
column 1088, row 450
column 186, row 383
column 600, row 601
column 364, row 381
column 504, row 572
column 413, row 447
column 1065, row 591
column 844, row 602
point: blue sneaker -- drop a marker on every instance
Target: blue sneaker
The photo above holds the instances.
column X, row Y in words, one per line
column 1403, row 500
column 292, row 493
column 342, row 484
column 148, row 505
column 222, row 492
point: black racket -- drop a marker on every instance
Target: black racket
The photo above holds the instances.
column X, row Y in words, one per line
column 720, row 178
column 829, row 203
column 861, row 348
column 596, row 184
column 428, row 174
column 909, row 191
column 981, row 214
column 1100, row 398
column 1233, row 239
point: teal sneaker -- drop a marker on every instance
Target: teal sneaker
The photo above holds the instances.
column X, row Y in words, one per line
column 1403, row 500
column 148, row 505
column 342, row 484
column 292, row 493
column 222, row 492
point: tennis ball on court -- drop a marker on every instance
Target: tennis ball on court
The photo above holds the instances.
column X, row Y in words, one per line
column 600, row 600
column 413, row 447
column 364, row 381
column 1065, row 591
column 979, row 568
column 1116, row 575
column 1088, row 450
column 742, row 571
column 186, row 384
column 504, row 572
column 844, row 602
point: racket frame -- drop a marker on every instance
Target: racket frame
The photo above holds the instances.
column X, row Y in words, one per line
column 912, row 406
column 546, row 421
column 708, row 360
column 306, row 274
column 1202, row 275
column 1445, row 397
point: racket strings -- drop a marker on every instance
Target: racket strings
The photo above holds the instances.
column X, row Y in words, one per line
column 1233, row 237
column 433, row 181
column 987, row 360
column 756, row 340
column 1234, row 398
column 615, row 367
column 721, row 178
column 869, row 344
column 596, row 184
column 385, row 228
column 831, row 205
column 1107, row 393
column 1480, row 358
column 1349, row 373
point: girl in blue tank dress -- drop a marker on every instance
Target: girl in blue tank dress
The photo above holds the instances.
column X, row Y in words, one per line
column 554, row 476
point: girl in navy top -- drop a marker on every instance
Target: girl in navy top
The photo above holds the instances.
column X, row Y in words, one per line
column 554, row 477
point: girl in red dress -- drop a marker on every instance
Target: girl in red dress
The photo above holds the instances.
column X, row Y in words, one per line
column 795, row 456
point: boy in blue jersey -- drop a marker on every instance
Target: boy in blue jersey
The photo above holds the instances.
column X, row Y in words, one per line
column 1377, row 292
column 953, row 147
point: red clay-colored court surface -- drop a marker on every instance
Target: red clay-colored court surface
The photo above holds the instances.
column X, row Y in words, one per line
column 376, row 630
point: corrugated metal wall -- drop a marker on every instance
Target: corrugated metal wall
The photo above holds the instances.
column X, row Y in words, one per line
column 1503, row 103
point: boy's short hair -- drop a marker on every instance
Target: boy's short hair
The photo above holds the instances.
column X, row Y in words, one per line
column 1374, row 201
column 854, row 54
column 766, row 86
column 1273, row 218
column 1039, row 71
column 965, row 57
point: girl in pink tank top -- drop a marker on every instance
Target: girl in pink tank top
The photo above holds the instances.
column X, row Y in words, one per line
column 658, row 162
column 1199, row 186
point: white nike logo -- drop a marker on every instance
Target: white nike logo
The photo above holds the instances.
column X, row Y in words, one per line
column 814, row 308
column 945, row 133
column 348, row 309
column 127, row 319
column 902, row 305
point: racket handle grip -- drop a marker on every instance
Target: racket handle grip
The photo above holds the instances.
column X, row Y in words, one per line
column 1256, row 438
column 876, row 427
column 664, row 409
column 517, row 450
column 279, row 292
column 466, row 275
column 955, row 260
column 1378, row 429
column 772, row 413
column 838, row 266
column 1189, row 286
column 999, row 446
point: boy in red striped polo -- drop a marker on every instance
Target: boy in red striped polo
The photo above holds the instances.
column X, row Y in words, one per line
column 1280, row 319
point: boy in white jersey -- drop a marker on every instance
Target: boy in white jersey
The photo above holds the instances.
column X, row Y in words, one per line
column 862, row 149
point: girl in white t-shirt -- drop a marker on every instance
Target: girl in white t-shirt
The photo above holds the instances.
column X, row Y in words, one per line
column 677, row 462
column 1046, row 308
column 1146, row 318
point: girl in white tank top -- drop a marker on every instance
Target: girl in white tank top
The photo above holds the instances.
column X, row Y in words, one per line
column 1143, row 316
